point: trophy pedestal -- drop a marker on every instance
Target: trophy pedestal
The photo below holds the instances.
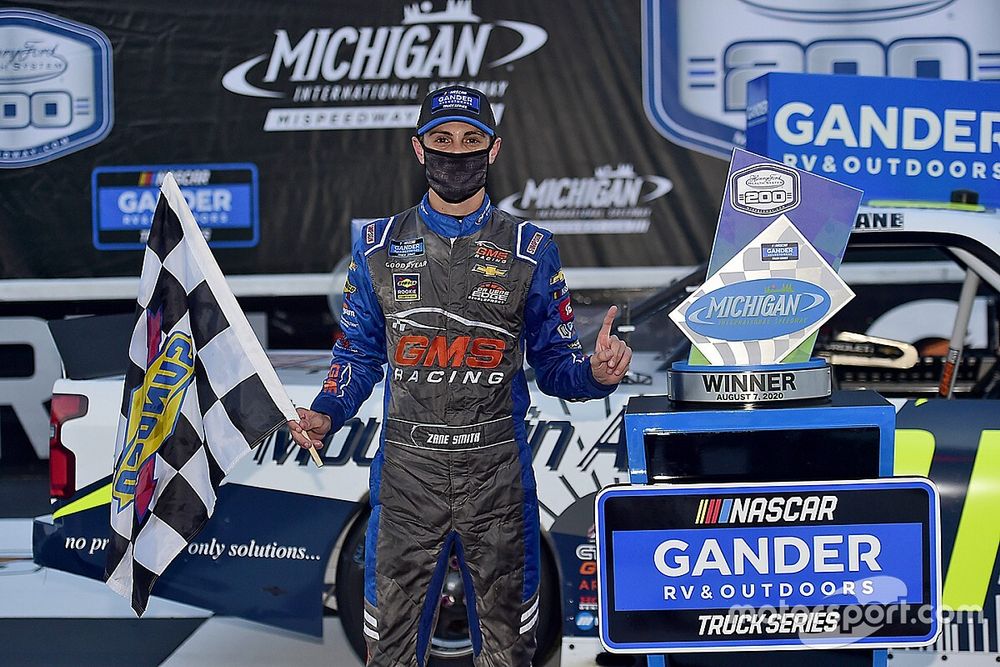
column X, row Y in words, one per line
column 842, row 436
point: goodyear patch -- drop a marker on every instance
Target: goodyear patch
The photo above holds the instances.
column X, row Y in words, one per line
column 406, row 286
column 153, row 410
column 405, row 264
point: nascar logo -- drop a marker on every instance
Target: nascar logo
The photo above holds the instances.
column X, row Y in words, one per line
column 765, row 510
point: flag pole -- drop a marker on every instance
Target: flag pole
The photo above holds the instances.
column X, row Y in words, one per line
column 313, row 454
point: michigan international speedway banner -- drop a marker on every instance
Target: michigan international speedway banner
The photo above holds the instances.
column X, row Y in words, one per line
column 285, row 121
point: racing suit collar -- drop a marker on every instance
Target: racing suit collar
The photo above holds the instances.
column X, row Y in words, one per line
column 450, row 226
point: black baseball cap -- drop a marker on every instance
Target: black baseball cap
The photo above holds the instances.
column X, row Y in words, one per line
column 456, row 103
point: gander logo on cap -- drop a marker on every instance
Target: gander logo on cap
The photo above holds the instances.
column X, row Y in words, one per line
column 455, row 99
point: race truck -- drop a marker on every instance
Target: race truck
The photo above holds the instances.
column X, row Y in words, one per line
column 286, row 543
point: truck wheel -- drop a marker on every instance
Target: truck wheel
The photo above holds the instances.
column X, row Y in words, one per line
column 450, row 645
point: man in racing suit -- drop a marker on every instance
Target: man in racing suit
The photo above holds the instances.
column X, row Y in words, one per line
column 452, row 294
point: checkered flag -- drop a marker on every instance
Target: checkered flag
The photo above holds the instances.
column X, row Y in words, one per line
column 199, row 395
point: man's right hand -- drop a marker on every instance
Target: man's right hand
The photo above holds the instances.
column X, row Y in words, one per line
column 310, row 429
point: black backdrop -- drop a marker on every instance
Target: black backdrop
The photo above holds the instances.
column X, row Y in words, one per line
column 572, row 106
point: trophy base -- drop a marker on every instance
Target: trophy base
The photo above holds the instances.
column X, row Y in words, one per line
column 749, row 384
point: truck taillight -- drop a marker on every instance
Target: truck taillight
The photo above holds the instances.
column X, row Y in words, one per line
column 62, row 462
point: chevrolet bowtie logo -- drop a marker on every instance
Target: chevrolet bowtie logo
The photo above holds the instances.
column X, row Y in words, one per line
column 491, row 271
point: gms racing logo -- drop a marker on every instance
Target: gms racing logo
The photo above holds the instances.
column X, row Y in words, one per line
column 612, row 201
column 154, row 408
column 426, row 351
column 696, row 68
column 370, row 73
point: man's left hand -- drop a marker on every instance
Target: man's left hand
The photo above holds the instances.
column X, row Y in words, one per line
column 611, row 358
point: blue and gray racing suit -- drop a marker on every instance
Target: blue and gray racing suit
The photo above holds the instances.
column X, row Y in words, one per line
column 451, row 305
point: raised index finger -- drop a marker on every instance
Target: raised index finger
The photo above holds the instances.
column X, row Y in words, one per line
column 609, row 319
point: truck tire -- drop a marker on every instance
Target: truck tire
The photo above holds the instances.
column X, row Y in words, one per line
column 450, row 646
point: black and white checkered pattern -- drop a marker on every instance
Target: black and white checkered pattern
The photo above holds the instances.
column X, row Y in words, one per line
column 233, row 401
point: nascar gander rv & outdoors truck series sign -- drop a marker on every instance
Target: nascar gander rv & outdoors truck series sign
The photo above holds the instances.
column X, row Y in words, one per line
column 764, row 566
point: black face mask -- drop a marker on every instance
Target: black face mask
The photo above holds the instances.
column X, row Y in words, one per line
column 456, row 176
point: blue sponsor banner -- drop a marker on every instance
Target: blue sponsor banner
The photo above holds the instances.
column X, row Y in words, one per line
column 800, row 565
column 696, row 66
column 894, row 138
column 223, row 198
column 717, row 567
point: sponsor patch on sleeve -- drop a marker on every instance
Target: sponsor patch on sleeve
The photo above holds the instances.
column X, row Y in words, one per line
column 565, row 310
column 370, row 234
column 557, row 278
column 533, row 244
column 337, row 379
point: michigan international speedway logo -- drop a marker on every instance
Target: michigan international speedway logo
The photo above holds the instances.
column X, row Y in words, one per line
column 696, row 68
column 55, row 87
column 374, row 76
column 614, row 200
